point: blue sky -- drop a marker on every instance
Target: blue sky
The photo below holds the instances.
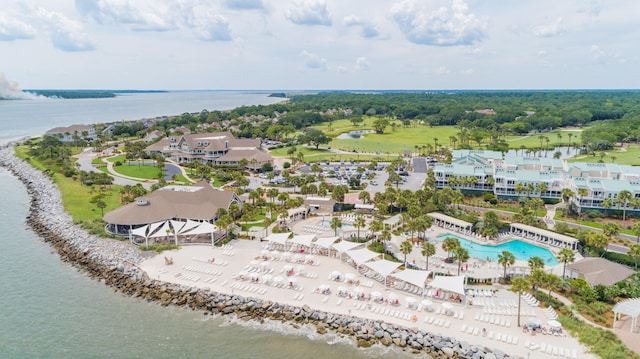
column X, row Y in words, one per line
column 320, row 44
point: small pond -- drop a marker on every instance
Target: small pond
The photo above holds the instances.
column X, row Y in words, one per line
column 351, row 135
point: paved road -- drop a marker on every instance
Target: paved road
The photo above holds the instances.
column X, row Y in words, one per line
column 420, row 165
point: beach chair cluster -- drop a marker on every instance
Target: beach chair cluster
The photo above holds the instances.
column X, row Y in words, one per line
column 248, row 288
column 210, row 261
column 531, row 300
column 389, row 312
column 555, row 350
column 256, row 269
column 315, row 229
column 410, row 288
column 493, row 319
column 201, row 269
column 298, row 296
column 189, row 277
column 446, row 323
column 227, row 250
column 479, row 293
column 348, row 218
column 550, row 313
column 503, row 337
column 507, row 310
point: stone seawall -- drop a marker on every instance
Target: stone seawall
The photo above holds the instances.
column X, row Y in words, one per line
column 115, row 263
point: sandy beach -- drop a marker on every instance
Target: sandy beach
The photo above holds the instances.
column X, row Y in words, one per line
column 247, row 268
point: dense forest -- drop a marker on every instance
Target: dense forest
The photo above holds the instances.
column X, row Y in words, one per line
column 612, row 116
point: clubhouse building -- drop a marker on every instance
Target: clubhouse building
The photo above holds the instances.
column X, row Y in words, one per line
column 217, row 148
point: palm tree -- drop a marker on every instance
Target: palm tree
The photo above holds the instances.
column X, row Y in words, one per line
column 462, row 255
column 385, row 235
column 335, row 224
column 634, row 252
column 566, row 194
column 449, row 244
column 636, row 230
column 359, row 223
column 551, row 282
column 566, row 255
column 536, row 263
column 406, row 248
column 611, row 230
column 599, row 241
column 519, row 286
column 506, row 259
column 623, row 200
column 428, row 249
column 365, row 197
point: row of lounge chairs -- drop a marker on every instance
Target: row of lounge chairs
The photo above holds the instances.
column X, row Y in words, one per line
column 550, row 313
column 494, row 319
column 229, row 252
column 201, row 269
column 317, row 229
column 191, row 277
column 298, row 296
column 531, row 300
column 480, row 292
column 553, row 350
column 248, row 288
column 210, row 261
column 508, row 311
column 446, row 323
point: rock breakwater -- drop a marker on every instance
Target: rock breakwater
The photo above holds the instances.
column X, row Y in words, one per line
column 115, row 263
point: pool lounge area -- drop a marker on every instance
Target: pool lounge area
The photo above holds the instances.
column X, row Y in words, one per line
column 521, row 250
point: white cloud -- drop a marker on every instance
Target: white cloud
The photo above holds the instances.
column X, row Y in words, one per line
column 313, row 61
column 244, row 4
column 442, row 70
column 142, row 15
column 549, row 30
column 444, row 26
column 362, row 64
column 367, row 29
column 208, row 25
column 14, row 29
column 66, row 34
column 597, row 55
column 309, row 12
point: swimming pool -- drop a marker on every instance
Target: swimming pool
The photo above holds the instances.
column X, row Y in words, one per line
column 328, row 224
column 521, row 250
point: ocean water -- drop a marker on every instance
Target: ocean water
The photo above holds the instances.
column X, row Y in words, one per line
column 49, row 309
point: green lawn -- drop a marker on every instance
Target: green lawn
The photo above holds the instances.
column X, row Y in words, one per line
column 306, row 151
column 533, row 141
column 395, row 142
column 97, row 161
column 143, row 172
column 115, row 159
column 629, row 156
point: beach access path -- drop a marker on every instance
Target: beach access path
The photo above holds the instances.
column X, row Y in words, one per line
column 490, row 321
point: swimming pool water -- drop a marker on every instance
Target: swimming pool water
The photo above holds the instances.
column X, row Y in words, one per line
column 521, row 250
column 328, row 224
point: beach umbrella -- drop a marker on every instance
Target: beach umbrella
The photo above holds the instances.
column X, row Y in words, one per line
column 535, row 320
column 278, row 279
column 324, row 287
column 349, row 276
column 336, row 274
column 358, row 290
column 288, row 267
column 253, row 263
column 393, row 296
column 297, row 258
column 310, row 258
column 427, row 302
column 265, row 264
column 242, row 274
column 376, row 294
column 411, row 300
column 555, row 324
column 254, row 276
column 300, row 269
column 267, row 278
column 447, row 306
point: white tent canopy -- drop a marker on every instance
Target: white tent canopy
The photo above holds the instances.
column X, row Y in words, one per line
column 189, row 225
column 383, row 267
column 325, row 242
column 413, row 276
column 202, row 228
column 362, row 255
column 279, row 238
column 449, row 284
column 162, row 232
column 304, row 240
column 345, row 246
column 177, row 225
column 141, row 231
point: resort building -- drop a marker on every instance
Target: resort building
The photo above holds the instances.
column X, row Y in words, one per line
column 217, row 148
column 543, row 236
column 595, row 185
column 198, row 202
column 320, row 204
column 73, row 133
